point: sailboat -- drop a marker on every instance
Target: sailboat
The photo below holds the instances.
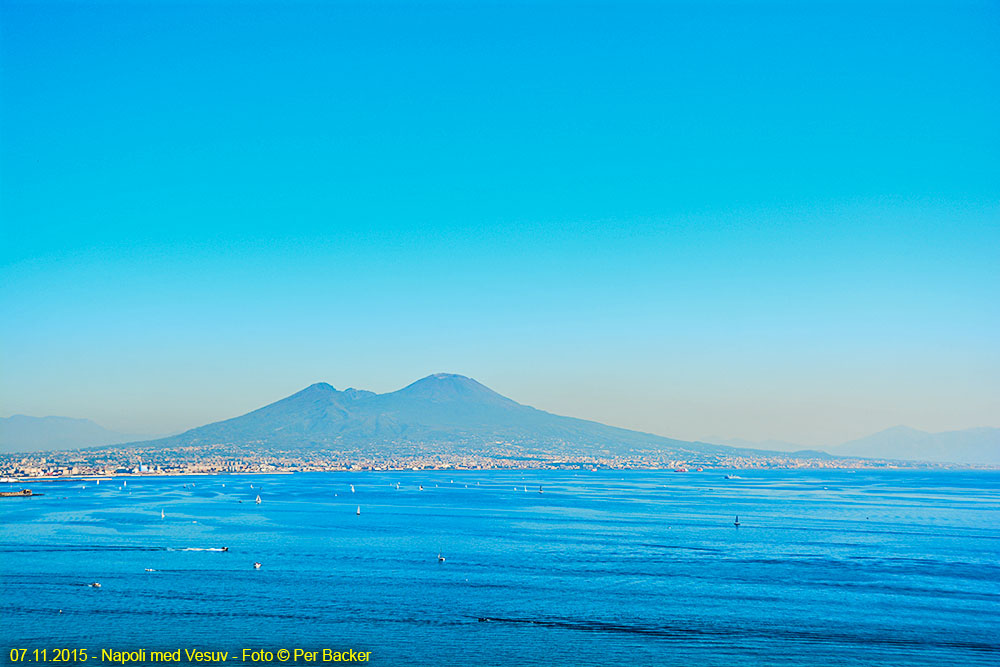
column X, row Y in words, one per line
column 440, row 558
column 737, row 522
column 359, row 510
column 258, row 499
column 540, row 490
column 397, row 486
column 162, row 514
column 124, row 483
column 352, row 488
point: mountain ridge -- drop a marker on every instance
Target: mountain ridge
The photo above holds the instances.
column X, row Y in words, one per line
column 979, row 445
column 23, row 433
column 449, row 413
column 447, row 410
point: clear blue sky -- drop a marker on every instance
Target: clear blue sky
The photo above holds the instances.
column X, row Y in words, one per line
column 753, row 219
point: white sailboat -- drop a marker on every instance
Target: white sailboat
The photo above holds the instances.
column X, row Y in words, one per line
column 258, row 499
column 359, row 510
column 162, row 515
column 352, row 488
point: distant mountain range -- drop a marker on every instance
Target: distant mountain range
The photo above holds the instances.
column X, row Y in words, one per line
column 446, row 413
column 974, row 445
column 21, row 433
column 441, row 412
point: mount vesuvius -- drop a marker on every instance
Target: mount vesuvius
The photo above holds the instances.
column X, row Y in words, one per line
column 442, row 412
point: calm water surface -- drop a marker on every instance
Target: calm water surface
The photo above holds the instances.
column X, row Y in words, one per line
column 644, row 568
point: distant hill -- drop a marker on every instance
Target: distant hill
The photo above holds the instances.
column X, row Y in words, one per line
column 901, row 443
column 974, row 445
column 441, row 412
column 771, row 445
column 21, row 433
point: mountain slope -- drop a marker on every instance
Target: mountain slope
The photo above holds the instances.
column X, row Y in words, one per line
column 974, row 445
column 21, row 433
column 442, row 411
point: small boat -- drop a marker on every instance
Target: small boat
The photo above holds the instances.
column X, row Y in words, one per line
column 421, row 487
column 352, row 488
column 225, row 548
column 162, row 515
column 540, row 490
column 440, row 558
column 258, row 499
column 149, row 569
column 397, row 486
column 525, row 489
column 733, row 477
column 359, row 510
column 96, row 584
column 256, row 566
column 124, row 483
column 737, row 522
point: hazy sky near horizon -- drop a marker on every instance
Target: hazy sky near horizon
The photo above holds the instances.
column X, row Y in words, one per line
column 750, row 219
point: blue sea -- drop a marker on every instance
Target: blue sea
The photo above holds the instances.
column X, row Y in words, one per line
column 607, row 567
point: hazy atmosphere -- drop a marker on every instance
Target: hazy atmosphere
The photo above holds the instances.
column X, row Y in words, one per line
column 670, row 218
